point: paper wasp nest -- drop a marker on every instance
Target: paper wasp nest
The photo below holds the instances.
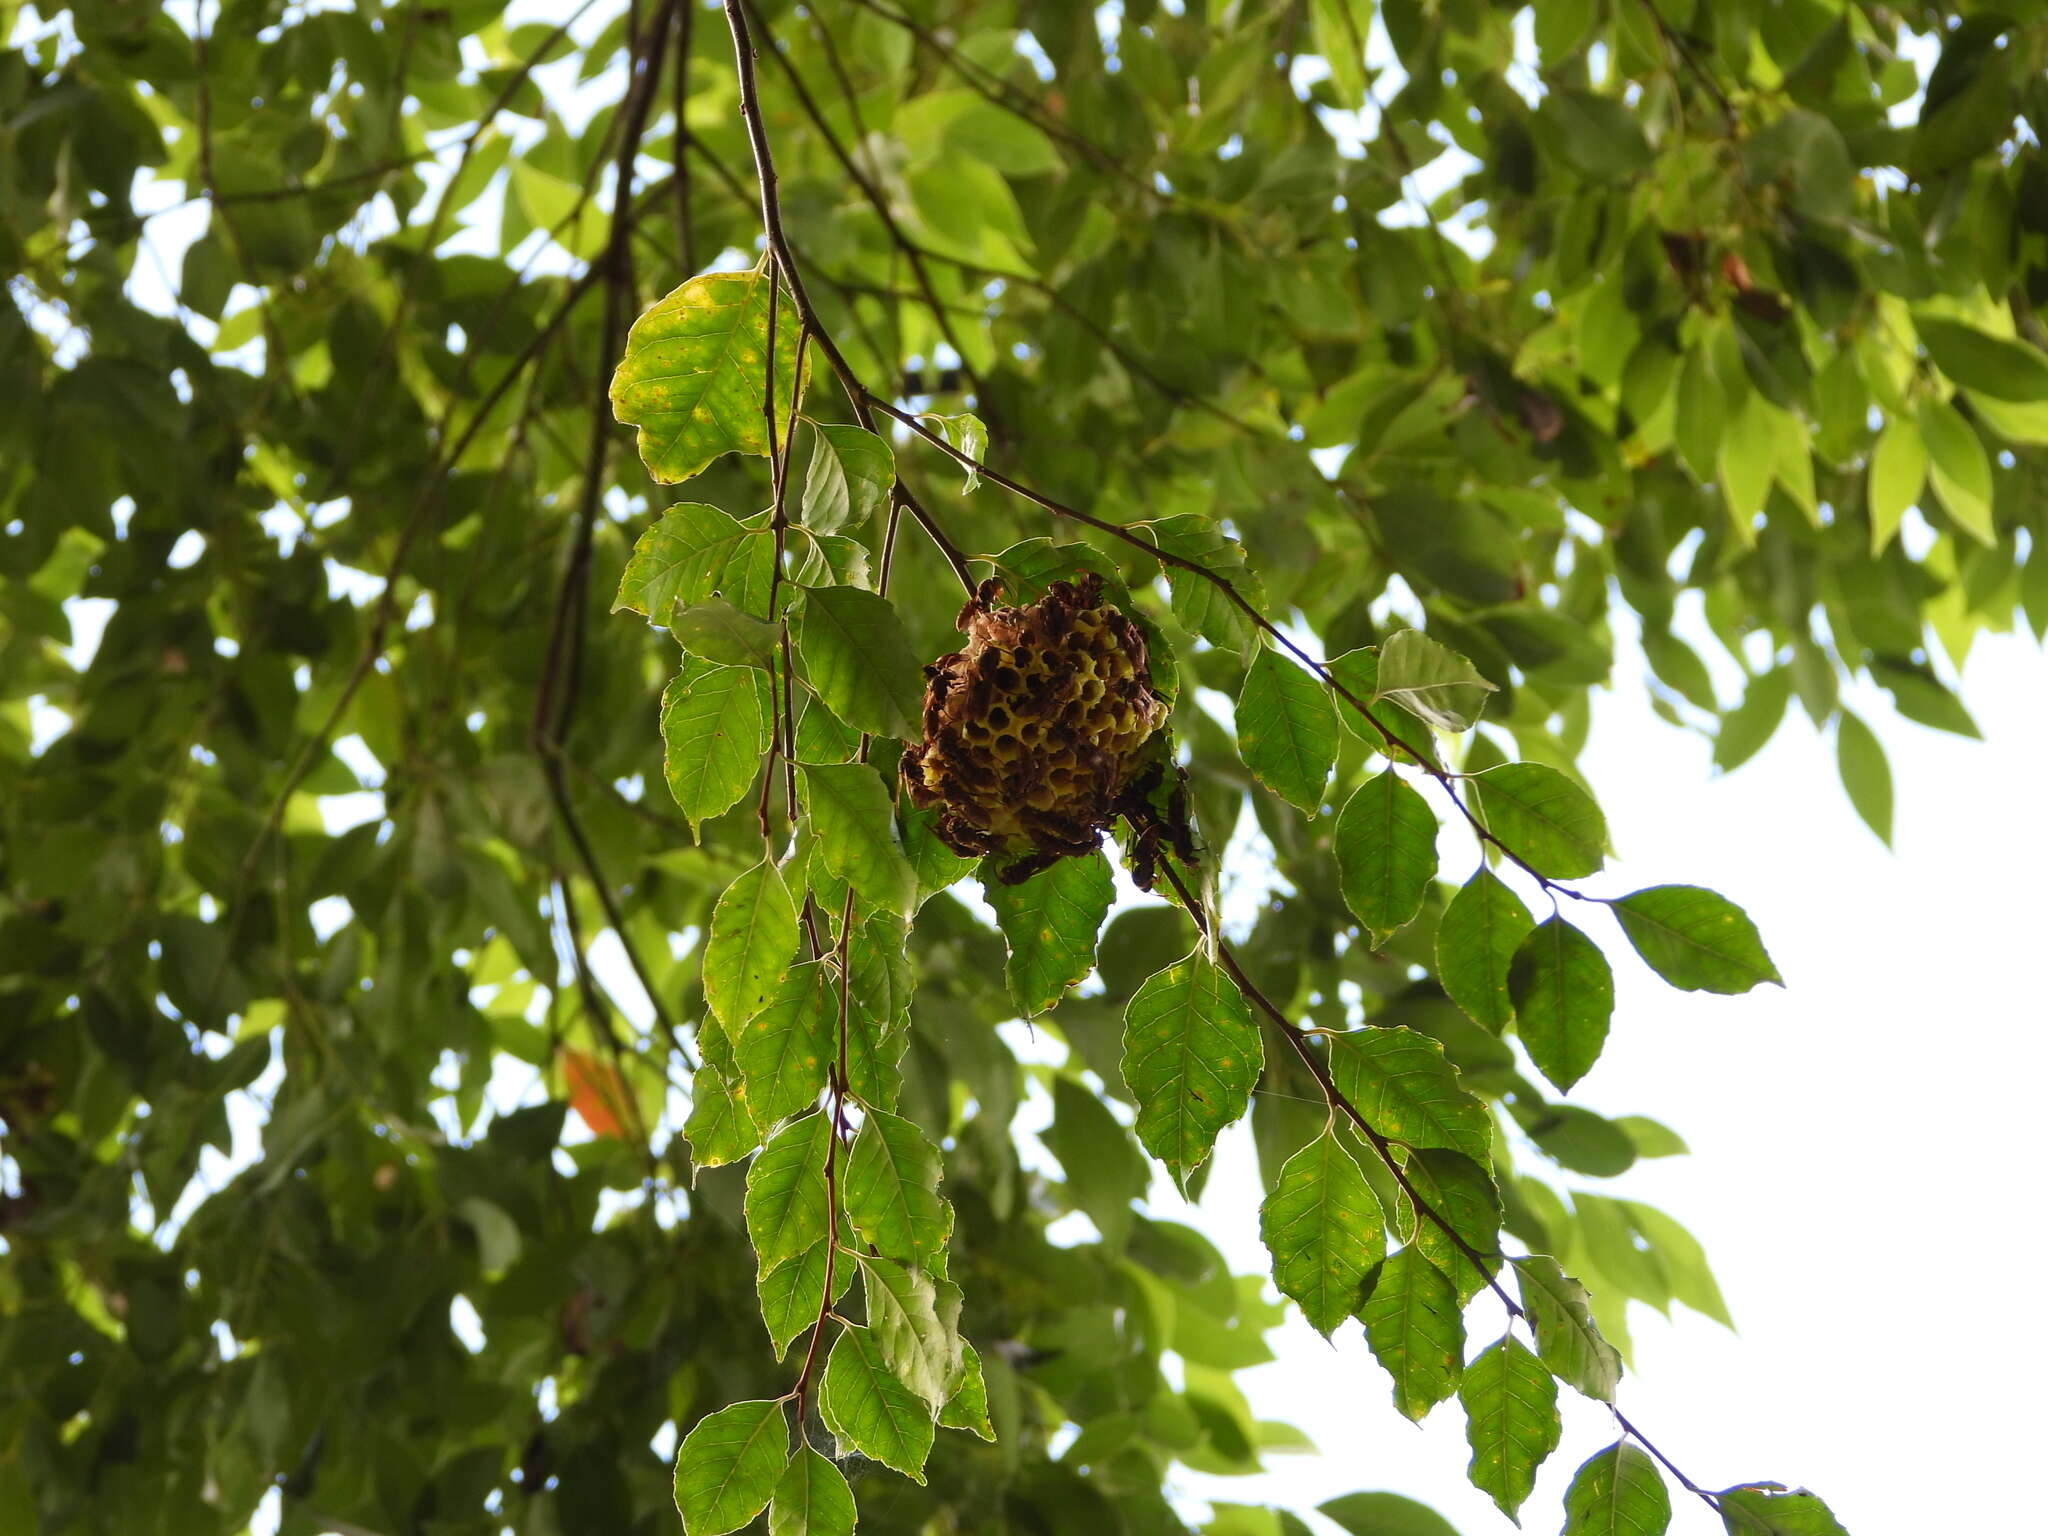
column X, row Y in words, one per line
column 1035, row 727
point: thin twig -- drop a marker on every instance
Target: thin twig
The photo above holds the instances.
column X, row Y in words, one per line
column 778, row 244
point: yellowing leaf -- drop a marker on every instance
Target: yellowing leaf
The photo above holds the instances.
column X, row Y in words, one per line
column 695, row 373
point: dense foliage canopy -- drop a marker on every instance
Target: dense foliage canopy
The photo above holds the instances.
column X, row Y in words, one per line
column 489, row 1042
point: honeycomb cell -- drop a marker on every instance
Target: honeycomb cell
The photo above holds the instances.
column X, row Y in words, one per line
column 1036, row 727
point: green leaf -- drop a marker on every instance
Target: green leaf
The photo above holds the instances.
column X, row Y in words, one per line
column 720, row 1129
column 1695, row 939
column 970, row 123
column 964, row 431
column 1286, row 729
column 1652, row 1138
column 1919, row 695
column 812, row 1499
column 1865, row 774
column 870, row 1410
column 792, row 1292
column 1567, row 1341
column 1599, row 135
column 1898, row 470
column 1959, row 468
column 728, row 1467
column 1049, row 924
column 858, row 657
column 753, row 939
column 1386, row 852
column 1104, row 1168
column 1609, row 1244
column 1511, row 1421
column 938, row 867
column 914, row 1322
column 849, row 478
column 1683, row 1260
column 1460, row 546
column 1358, row 672
column 786, row 1197
column 691, row 552
column 695, row 372
column 714, row 733
column 1994, row 365
column 719, row 632
column 1618, row 1492
column 1806, row 152
column 1432, row 682
column 1191, row 1056
column 1543, row 817
column 1476, row 941
column 1462, row 1196
column 1416, row 1331
column 1749, row 725
column 784, row 1050
column 1400, row 1082
column 967, row 1408
column 1323, row 1226
column 1563, row 990
column 1702, row 410
column 891, row 1191
column 1198, row 602
column 855, row 821
column 1770, row 1511
column 1582, row 1141
column 1385, row 1514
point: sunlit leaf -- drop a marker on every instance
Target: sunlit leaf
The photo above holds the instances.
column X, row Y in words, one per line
column 1431, row 681
column 1191, row 1055
column 811, row 1499
column 1413, row 1324
column 785, row 1049
column 1959, row 468
column 690, row 553
column 1323, row 1226
column 1286, row 728
column 714, row 732
column 857, row 656
column 1476, row 941
column 1567, row 1340
column 696, row 369
column 1049, row 924
column 1408, row 1092
column 914, row 1322
column 786, row 1196
column 1386, row 852
column 1542, row 817
column 1563, row 992
column 891, row 1190
column 753, row 939
column 1511, row 1421
column 728, row 1467
column 849, row 477
column 1771, row 1511
column 855, row 820
column 1618, row 1492
column 1695, row 938
column 870, row 1410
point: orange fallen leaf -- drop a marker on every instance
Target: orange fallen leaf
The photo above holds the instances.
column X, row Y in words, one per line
column 597, row 1093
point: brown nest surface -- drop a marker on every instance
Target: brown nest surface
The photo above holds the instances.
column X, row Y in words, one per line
column 1036, row 728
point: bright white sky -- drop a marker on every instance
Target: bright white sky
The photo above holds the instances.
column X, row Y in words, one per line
column 1862, row 1142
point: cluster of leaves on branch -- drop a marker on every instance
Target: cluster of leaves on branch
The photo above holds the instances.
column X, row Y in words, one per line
column 1384, row 363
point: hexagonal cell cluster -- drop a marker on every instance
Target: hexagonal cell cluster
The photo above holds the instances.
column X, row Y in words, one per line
column 1036, row 727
